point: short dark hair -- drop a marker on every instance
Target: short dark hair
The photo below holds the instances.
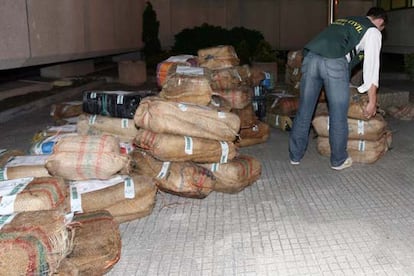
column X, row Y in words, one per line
column 376, row 12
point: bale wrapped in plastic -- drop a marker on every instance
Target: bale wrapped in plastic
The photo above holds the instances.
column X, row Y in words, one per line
column 187, row 88
column 235, row 175
column 122, row 195
column 231, row 77
column 163, row 116
column 171, row 147
column 180, row 178
column 217, row 57
column 32, row 194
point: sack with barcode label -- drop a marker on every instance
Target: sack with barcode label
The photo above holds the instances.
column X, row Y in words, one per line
column 257, row 134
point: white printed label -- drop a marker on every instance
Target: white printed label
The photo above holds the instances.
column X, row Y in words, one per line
column 361, row 127
column 215, row 167
column 277, row 120
column 296, row 71
column 327, row 123
column 7, row 204
column 120, row 99
column 124, row 123
column 164, row 169
column 221, row 115
column 75, row 200
column 64, row 128
column 129, row 190
column 361, row 145
column 224, row 152
column 182, row 107
column 187, row 70
column 93, row 95
column 87, row 186
column 92, row 119
column 188, row 145
column 27, row 160
column 9, row 191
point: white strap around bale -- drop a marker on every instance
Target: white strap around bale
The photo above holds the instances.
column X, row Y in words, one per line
column 215, row 167
column 224, row 152
column 124, row 123
column 120, row 99
column 361, row 145
column 92, row 119
column 361, row 125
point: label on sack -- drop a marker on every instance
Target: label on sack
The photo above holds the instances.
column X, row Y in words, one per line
column 327, row 123
column 120, row 99
column 9, row 190
column 179, row 58
column 6, row 219
column 361, row 127
column 188, row 145
column 69, row 217
column 182, row 107
column 3, row 174
column 129, row 188
column 75, row 200
column 164, row 170
column 92, row 119
column 64, row 128
column 124, row 123
column 221, row 114
column 93, row 95
column 188, row 70
column 224, row 152
column 277, row 120
column 361, row 145
column 27, row 160
column 215, row 167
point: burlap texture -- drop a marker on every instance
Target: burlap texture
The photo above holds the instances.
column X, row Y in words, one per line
column 194, row 89
column 238, row 97
column 34, row 246
column 171, row 147
column 237, row 174
column 219, row 103
column 403, row 112
column 182, row 178
column 42, row 193
column 97, row 245
column 113, row 198
column 124, row 129
column 282, row 122
column 282, row 105
column 163, row 116
column 89, row 143
column 247, row 116
column 257, row 134
column 361, row 151
column 231, row 78
column 218, row 57
column 84, row 165
column 371, row 129
column 294, row 59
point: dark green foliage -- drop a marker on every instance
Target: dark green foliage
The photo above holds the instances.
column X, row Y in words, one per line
column 264, row 52
column 244, row 41
column 150, row 28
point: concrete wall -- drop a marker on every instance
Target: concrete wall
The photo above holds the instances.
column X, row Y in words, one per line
column 39, row 32
column 399, row 34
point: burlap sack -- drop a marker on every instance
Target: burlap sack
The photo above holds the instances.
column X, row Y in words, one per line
column 295, row 58
column 370, row 130
column 257, row 134
column 20, row 169
column 235, row 175
column 96, row 245
column 231, row 77
column 357, row 105
column 34, row 246
column 403, row 112
column 282, row 122
column 171, row 147
column 163, row 116
column 194, row 89
column 219, row 103
column 87, row 143
column 66, row 110
column 41, row 193
column 293, row 76
column 218, row 57
column 285, row 105
column 361, row 151
column 124, row 129
column 114, row 198
column 84, row 165
column 257, row 76
column 238, row 97
column 247, row 116
column 180, row 178
column 169, row 66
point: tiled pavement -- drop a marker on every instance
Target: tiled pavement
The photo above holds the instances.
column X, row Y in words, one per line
column 295, row 220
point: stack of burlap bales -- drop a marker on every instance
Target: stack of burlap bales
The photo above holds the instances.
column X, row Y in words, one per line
column 368, row 140
column 187, row 135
